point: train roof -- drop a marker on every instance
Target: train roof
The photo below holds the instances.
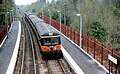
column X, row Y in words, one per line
column 43, row 28
column 35, row 19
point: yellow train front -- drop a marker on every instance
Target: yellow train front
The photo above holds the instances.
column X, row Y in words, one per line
column 51, row 46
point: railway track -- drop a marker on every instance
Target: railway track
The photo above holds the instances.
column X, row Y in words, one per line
column 20, row 54
column 57, row 67
column 30, row 60
column 29, row 54
column 26, row 60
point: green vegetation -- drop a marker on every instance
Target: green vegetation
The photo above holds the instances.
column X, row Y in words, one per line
column 5, row 6
column 101, row 18
column 116, row 11
column 98, row 31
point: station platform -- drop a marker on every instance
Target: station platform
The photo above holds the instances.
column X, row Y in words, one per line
column 85, row 62
column 8, row 48
column 88, row 65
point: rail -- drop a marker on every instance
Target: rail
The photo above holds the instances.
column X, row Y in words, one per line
column 50, row 66
column 96, row 49
column 33, row 54
column 57, row 66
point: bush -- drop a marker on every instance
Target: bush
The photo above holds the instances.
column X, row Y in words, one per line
column 98, row 31
column 116, row 11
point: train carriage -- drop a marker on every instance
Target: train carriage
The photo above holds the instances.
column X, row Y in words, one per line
column 49, row 38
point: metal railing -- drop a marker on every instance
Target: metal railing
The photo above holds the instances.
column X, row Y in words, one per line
column 93, row 47
column 3, row 31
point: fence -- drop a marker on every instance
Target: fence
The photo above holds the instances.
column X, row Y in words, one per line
column 3, row 31
column 96, row 49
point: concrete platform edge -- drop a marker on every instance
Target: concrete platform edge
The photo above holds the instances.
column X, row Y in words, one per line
column 88, row 55
column 71, row 62
column 84, row 52
column 13, row 60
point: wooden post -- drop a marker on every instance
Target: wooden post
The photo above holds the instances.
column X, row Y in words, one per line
column 70, row 34
column 65, row 29
column 113, row 60
column 87, row 44
column 82, row 41
column 116, row 69
column 94, row 48
column 112, row 63
column 102, row 55
column 74, row 35
column 109, row 66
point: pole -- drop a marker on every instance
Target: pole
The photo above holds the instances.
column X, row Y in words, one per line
column 60, row 19
column 65, row 14
column 7, row 22
column 42, row 13
column 80, row 30
column 65, row 17
column 12, row 14
column 50, row 16
column 116, row 69
column 109, row 66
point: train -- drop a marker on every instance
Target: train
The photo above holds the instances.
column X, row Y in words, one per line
column 49, row 38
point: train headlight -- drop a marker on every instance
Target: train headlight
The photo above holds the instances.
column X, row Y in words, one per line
column 54, row 48
column 45, row 48
column 50, row 34
column 58, row 47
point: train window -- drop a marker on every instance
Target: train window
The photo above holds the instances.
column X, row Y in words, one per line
column 50, row 41
column 55, row 40
column 46, row 41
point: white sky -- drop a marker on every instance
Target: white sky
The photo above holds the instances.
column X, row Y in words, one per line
column 24, row 2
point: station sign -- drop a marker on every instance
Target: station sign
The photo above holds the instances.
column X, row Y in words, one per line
column 111, row 58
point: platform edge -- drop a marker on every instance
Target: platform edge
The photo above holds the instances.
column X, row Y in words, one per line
column 13, row 60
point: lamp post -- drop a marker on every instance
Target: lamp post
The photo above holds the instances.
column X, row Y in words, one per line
column 60, row 19
column 49, row 15
column 79, row 15
column 7, row 22
column 7, row 17
column 12, row 15
column 65, row 13
column 13, row 11
column 42, row 12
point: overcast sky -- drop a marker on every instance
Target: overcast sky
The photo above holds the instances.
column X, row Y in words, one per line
column 25, row 2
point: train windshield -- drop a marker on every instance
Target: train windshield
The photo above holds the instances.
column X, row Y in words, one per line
column 50, row 41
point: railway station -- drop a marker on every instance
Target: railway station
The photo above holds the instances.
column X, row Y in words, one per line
column 37, row 43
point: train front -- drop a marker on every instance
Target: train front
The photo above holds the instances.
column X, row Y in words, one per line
column 51, row 46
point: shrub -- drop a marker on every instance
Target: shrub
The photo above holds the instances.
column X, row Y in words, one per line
column 98, row 31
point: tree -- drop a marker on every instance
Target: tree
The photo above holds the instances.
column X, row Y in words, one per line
column 98, row 31
column 106, row 12
column 5, row 6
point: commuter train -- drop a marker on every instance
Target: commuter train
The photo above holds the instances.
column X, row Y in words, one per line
column 50, row 40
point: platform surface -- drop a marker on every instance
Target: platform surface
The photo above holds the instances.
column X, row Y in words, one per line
column 7, row 48
column 87, row 65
